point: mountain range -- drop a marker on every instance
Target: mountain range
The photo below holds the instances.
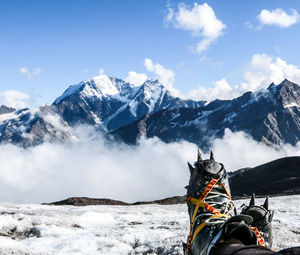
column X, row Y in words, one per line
column 126, row 112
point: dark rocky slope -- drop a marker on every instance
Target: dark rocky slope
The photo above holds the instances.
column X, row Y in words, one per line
column 4, row 109
column 271, row 116
column 278, row 177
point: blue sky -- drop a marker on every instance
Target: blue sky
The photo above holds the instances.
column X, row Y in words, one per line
column 45, row 46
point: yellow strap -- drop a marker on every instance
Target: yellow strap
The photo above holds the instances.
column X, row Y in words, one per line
column 203, row 224
column 203, row 196
column 196, row 209
column 199, row 228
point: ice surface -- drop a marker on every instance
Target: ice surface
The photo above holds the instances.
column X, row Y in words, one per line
column 145, row 229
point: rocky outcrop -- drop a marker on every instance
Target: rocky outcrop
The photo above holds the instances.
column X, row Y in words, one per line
column 4, row 109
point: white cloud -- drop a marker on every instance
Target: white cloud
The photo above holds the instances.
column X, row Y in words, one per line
column 165, row 76
column 259, row 74
column 85, row 70
column 30, row 74
column 13, row 98
column 200, row 20
column 278, row 17
column 238, row 150
column 136, row 78
column 264, row 69
column 151, row 170
column 221, row 90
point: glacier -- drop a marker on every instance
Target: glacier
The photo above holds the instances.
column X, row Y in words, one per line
column 143, row 229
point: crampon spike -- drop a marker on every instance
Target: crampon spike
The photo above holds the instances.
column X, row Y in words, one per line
column 199, row 158
column 252, row 201
column 266, row 204
column 190, row 168
column 212, row 155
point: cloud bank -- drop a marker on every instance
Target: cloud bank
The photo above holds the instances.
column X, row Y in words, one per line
column 259, row 73
column 14, row 98
column 200, row 20
column 278, row 17
column 151, row 170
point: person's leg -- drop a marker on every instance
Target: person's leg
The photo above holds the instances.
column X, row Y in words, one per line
column 236, row 247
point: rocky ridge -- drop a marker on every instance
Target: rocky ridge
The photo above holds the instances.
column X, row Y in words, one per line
column 270, row 116
column 117, row 108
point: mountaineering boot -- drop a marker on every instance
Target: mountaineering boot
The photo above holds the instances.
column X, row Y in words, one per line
column 209, row 204
column 247, row 233
column 262, row 220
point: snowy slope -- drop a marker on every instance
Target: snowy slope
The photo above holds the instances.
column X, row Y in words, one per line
column 106, row 103
column 146, row 229
column 32, row 127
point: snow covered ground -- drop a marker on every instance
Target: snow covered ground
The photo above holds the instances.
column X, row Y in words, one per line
column 145, row 229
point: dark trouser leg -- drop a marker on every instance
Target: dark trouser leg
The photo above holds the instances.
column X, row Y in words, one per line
column 236, row 247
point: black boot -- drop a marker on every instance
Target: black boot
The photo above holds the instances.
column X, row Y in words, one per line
column 209, row 204
column 262, row 220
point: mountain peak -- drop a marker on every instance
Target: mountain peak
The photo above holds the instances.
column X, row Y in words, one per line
column 103, row 84
column 98, row 86
column 283, row 85
column 287, row 93
column 5, row 109
column 285, row 82
column 287, row 85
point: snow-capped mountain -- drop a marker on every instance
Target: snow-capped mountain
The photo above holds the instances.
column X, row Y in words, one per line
column 113, row 103
column 32, row 127
column 105, row 102
column 271, row 116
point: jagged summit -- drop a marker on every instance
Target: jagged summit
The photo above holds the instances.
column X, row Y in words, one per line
column 106, row 86
column 98, row 86
column 287, row 93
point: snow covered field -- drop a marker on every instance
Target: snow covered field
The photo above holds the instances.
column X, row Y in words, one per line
column 145, row 229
